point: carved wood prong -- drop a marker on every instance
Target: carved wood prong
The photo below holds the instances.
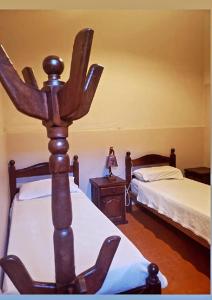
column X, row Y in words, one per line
column 70, row 94
column 29, row 77
column 20, row 277
column 90, row 87
column 17, row 273
column 44, row 288
column 4, row 58
column 95, row 276
column 26, row 99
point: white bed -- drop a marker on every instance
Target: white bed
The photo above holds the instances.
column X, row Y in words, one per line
column 185, row 201
column 128, row 269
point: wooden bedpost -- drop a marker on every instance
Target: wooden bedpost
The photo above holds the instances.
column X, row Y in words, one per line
column 12, row 180
column 172, row 158
column 76, row 169
column 152, row 282
column 128, row 166
column 128, row 177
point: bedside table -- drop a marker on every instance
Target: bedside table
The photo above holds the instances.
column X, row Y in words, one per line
column 109, row 196
column 201, row 174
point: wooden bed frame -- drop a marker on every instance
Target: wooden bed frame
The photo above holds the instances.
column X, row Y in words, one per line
column 153, row 285
column 149, row 160
column 40, row 169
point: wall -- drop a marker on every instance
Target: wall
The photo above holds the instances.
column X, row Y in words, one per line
column 151, row 96
column 4, row 203
column 152, row 60
column 207, row 90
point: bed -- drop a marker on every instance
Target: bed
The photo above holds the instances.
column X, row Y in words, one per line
column 31, row 225
column 182, row 202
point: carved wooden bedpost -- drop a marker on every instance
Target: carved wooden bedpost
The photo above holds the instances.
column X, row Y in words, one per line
column 58, row 104
column 11, row 169
column 128, row 177
column 152, row 282
column 76, row 169
column 172, row 158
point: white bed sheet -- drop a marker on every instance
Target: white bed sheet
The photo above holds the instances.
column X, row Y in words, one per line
column 31, row 240
column 185, row 201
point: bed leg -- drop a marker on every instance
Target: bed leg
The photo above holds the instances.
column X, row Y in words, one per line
column 152, row 281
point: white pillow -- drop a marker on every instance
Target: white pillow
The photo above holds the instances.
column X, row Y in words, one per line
column 158, row 173
column 42, row 188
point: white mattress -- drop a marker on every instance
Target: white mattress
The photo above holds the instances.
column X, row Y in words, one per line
column 185, row 201
column 31, row 240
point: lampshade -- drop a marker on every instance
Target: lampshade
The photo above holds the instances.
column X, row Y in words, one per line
column 111, row 161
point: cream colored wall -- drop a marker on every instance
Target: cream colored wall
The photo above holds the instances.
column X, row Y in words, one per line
column 4, row 199
column 152, row 60
column 155, row 77
column 207, row 128
column 152, row 83
column 154, row 64
column 207, row 90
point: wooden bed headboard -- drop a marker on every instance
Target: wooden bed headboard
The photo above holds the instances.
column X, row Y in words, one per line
column 147, row 160
column 35, row 170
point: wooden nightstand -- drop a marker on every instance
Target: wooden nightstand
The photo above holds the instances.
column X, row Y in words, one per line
column 201, row 174
column 109, row 196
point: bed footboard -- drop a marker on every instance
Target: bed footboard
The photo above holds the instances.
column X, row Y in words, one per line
column 153, row 284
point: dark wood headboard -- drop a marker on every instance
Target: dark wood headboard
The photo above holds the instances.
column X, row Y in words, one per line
column 35, row 170
column 147, row 160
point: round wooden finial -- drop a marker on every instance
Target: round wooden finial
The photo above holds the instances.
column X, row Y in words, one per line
column 53, row 65
column 152, row 281
column 75, row 157
column 153, row 269
column 11, row 162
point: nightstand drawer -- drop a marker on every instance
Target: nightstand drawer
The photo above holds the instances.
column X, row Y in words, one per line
column 109, row 191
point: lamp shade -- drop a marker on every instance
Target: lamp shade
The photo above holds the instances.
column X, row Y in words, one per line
column 111, row 159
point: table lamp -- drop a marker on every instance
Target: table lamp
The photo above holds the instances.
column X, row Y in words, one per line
column 111, row 162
